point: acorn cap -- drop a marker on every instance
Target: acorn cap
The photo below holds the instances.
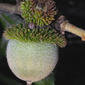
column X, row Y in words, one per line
column 39, row 12
column 23, row 34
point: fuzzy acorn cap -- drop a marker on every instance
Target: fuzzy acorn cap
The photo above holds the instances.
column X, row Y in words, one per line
column 39, row 12
column 23, row 34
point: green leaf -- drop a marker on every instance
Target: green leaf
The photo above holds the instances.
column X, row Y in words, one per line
column 8, row 19
column 3, row 24
column 47, row 81
column 8, row 80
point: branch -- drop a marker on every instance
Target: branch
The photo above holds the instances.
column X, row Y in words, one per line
column 10, row 8
column 64, row 25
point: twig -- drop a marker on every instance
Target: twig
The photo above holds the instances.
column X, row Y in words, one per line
column 10, row 8
column 64, row 25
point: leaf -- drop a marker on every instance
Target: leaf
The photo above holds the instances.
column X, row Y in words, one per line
column 7, row 19
column 47, row 81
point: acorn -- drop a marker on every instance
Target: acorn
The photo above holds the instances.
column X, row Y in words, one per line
column 32, row 54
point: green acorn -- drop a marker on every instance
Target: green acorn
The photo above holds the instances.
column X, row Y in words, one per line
column 32, row 53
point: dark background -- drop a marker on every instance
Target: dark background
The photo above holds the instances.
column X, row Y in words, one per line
column 71, row 58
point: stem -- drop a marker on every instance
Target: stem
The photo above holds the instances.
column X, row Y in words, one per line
column 66, row 26
column 29, row 83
